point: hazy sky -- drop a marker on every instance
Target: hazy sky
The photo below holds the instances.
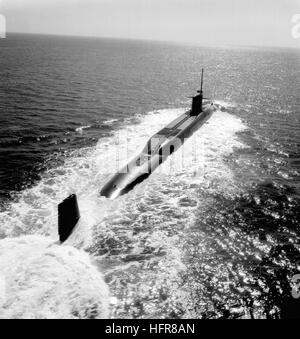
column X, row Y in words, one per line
column 234, row 22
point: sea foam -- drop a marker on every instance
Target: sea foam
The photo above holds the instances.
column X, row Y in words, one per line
column 41, row 279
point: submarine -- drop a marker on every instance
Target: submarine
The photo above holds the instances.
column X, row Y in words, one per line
column 157, row 150
column 159, row 147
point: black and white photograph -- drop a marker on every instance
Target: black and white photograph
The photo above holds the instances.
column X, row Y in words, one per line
column 149, row 162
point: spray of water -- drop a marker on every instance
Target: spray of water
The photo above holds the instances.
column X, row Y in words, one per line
column 44, row 280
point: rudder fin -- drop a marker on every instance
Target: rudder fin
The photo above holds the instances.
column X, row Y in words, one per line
column 68, row 217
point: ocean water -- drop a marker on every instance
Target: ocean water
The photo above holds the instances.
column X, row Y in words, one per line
column 214, row 233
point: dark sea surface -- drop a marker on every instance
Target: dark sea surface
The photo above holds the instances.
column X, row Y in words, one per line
column 213, row 234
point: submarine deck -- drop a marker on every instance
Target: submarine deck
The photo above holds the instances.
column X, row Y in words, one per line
column 175, row 126
column 171, row 130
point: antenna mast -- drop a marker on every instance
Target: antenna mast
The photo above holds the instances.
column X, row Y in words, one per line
column 201, row 90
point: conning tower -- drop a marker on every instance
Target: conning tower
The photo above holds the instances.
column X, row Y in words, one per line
column 198, row 100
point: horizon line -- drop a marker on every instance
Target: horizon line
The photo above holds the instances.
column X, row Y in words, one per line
column 158, row 41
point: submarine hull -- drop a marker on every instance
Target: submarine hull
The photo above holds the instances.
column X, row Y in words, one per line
column 158, row 149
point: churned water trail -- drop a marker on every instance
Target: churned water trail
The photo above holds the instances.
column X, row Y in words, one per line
column 106, row 229
column 45, row 280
